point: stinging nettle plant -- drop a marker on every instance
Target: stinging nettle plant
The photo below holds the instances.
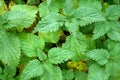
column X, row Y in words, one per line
column 59, row 40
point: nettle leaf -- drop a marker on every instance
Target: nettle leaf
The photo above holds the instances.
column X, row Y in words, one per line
column 20, row 16
column 41, row 55
column 2, row 6
column 57, row 74
column 9, row 49
column 48, row 2
column 68, row 74
column 110, row 44
column 77, row 45
column 47, row 26
column 91, row 3
column 80, row 75
column 30, row 43
column 86, row 15
column 113, row 12
column 33, row 69
column 68, row 7
column 72, row 26
column 99, row 55
column 50, row 23
column 97, row 72
column 9, row 72
column 49, row 68
column 101, row 28
column 50, row 36
column 114, row 77
column 2, row 21
column 114, row 32
column 91, row 44
column 111, row 28
column 2, row 77
column 59, row 55
column 114, row 62
column 49, row 6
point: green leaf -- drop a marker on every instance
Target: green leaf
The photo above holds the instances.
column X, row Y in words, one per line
column 97, row 72
column 2, row 21
column 49, row 6
column 30, row 43
column 41, row 55
column 113, row 12
column 50, row 23
column 19, row 16
column 56, row 76
column 114, row 62
column 2, row 6
column 33, row 69
column 9, row 72
column 114, row 78
column 91, row 44
column 101, row 28
column 72, row 26
column 68, row 7
column 68, row 74
column 114, row 32
column 86, row 15
column 2, row 77
column 9, row 49
column 111, row 28
column 80, row 75
column 99, row 55
column 110, row 44
column 91, row 3
column 50, row 36
column 114, row 35
column 59, row 55
column 48, row 2
column 47, row 26
column 77, row 45
column 49, row 67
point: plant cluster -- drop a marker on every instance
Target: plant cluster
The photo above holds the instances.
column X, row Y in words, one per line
column 59, row 40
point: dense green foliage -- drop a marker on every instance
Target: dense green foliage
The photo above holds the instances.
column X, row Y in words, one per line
column 59, row 40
